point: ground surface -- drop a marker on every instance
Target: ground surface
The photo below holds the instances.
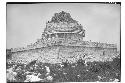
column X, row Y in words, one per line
column 65, row 72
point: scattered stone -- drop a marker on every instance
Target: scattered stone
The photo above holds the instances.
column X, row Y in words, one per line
column 32, row 78
column 116, row 80
column 49, row 78
column 47, row 70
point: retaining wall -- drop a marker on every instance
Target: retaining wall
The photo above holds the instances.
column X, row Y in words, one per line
column 58, row 54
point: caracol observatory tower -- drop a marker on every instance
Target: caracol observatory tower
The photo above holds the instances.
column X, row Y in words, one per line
column 62, row 29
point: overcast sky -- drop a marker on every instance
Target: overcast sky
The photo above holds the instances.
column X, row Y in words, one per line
column 26, row 22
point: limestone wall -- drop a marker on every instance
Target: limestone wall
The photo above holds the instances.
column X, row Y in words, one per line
column 58, row 54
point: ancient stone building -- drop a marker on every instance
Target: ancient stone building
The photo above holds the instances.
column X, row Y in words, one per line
column 62, row 40
column 63, row 29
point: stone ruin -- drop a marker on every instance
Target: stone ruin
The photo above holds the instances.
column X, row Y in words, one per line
column 62, row 39
column 63, row 30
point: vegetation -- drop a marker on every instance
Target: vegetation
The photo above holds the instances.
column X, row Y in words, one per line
column 76, row 72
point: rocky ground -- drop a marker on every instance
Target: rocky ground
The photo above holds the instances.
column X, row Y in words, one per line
column 80, row 71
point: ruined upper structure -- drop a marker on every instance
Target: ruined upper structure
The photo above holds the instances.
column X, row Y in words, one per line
column 62, row 17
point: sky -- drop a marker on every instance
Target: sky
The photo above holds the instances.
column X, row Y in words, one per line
column 26, row 22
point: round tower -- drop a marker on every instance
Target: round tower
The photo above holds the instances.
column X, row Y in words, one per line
column 62, row 29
